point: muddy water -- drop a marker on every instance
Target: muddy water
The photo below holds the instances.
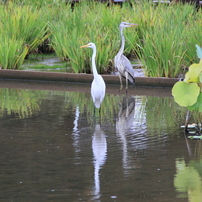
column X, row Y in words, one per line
column 54, row 148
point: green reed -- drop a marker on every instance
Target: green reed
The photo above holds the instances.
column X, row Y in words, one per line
column 21, row 31
column 12, row 52
column 163, row 41
column 36, row 3
column 163, row 49
column 193, row 37
column 90, row 22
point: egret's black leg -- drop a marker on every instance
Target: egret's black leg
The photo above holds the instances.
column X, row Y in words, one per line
column 126, row 91
column 99, row 110
column 94, row 111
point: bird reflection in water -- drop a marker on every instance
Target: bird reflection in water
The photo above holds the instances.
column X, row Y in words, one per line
column 99, row 147
column 123, row 124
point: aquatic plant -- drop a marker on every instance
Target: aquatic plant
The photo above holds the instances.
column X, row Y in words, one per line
column 36, row 3
column 21, row 28
column 188, row 92
column 163, row 43
column 92, row 25
column 12, row 52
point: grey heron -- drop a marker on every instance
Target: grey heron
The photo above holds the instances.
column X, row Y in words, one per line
column 122, row 64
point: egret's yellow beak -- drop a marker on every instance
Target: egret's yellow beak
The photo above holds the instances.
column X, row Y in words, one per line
column 84, row 46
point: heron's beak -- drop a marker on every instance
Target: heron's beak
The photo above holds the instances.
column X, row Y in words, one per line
column 133, row 25
column 84, row 46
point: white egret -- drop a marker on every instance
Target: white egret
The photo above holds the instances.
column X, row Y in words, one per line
column 122, row 64
column 98, row 85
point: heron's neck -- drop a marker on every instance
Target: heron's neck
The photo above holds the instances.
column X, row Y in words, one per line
column 93, row 63
column 122, row 43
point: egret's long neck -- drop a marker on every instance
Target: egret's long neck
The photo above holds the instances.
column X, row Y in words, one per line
column 93, row 62
column 122, row 42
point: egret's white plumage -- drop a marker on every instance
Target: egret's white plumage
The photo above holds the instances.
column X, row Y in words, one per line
column 122, row 64
column 98, row 86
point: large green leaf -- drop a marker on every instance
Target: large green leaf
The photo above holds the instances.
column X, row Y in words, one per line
column 185, row 94
column 193, row 74
column 198, row 105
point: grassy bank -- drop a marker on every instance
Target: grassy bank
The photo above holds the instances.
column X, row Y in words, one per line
column 164, row 40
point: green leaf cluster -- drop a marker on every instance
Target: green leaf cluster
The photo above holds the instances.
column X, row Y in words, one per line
column 188, row 92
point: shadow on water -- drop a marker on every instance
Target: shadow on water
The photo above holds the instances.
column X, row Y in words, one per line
column 53, row 148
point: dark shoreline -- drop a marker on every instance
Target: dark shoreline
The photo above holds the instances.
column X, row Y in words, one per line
column 82, row 78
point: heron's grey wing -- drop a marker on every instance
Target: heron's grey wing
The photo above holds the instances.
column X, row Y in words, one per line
column 128, row 68
column 127, row 65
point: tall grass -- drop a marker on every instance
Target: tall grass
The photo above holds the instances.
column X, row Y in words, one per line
column 12, row 52
column 90, row 22
column 21, row 32
column 164, row 40
column 68, row 36
column 25, row 22
column 163, row 48
column 192, row 36
column 35, row 3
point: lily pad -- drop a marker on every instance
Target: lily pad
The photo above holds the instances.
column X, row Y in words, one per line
column 185, row 94
column 198, row 105
column 193, row 74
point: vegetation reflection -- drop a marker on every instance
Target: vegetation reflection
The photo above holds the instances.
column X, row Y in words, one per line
column 155, row 111
column 188, row 179
column 161, row 112
column 22, row 103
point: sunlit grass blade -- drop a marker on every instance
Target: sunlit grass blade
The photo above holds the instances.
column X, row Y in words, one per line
column 12, row 53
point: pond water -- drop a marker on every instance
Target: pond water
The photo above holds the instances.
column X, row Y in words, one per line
column 54, row 148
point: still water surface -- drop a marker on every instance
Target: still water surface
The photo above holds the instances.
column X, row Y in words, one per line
column 53, row 148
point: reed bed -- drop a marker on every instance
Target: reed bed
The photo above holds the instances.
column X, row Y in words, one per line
column 163, row 41
column 21, row 31
column 165, row 44
column 89, row 23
